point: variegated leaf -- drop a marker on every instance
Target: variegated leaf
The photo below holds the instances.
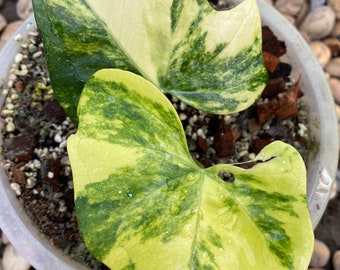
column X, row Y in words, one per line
column 211, row 60
column 142, row 202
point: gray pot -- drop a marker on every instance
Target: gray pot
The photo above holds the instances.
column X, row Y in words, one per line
column 321, row 165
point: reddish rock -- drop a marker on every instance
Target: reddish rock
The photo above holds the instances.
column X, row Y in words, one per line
column 54, row 112
column 287, row 105
column 274, row 87
column 20, row 148
column 201, row 144
column 271, row 44
column 18, row 175
column 258, row 144
column 270, row 61
column 224, row 142
column 50, row 172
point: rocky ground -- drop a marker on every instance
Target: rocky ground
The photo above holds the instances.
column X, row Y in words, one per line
column 319, row 22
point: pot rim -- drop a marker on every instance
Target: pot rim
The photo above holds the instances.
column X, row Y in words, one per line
column 323, row 122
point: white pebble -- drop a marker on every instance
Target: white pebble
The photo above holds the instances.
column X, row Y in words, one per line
column 200, row 133
column 182, row 106
column 251, row 156
column 321, row 254
column 58, row 138
column 10, row 106
column 10, row 127
column 14, row 96
column 8, row 119
column 10, row 83
column 32, row 48
column 7, row 112
column 18, row 58
column 183, row 116
column 13, row 260
column 16, row 188
column 63, row 144
column 37, row 54
column 50, row 175
column 62, row 208
column 70, row 184
column 227, row 119
column 18, row 38
column 5, row 92
column 31, row 182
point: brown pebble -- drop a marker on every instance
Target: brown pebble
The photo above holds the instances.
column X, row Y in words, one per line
column 334, row 45
column 336, row 260
column 305, row 36
column 303, row 13
column 334, row 192
column 24, row 8
column 337, row 110
column 322, row 52
column 20, row 148
column 13, row 260
column 319, row 23
column 334, row 85
column 10, row 29
column 4, row 239
column 333, row 67
column 20, row 86
column 18, row 175
column 291, row 7
column 290, row 18
column 336, row 29
column 321, row 254
column 3, row 22
column 335, row 5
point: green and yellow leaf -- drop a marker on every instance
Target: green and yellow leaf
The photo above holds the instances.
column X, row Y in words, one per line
column 210, row 59
column 142, row 202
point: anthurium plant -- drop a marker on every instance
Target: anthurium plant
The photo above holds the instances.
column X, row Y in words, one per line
column 142, row 201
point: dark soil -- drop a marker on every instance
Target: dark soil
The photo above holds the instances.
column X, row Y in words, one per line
column 37, row 157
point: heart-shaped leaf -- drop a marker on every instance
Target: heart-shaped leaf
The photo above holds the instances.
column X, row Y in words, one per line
column 143, row 203
column 210, row 59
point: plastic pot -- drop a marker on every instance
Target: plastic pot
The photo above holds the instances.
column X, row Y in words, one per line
column 321, row 165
